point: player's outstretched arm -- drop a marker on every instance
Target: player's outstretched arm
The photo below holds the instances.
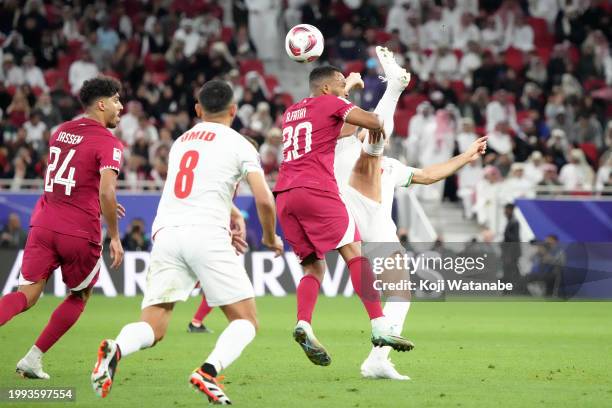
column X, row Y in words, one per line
column 266, row 211
column 437, row 172
column 110, row 209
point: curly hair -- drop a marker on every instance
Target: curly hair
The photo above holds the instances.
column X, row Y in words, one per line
column 96, row 88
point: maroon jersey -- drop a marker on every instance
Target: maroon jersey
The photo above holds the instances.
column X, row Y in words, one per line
column 310, row 130
column 70, row 204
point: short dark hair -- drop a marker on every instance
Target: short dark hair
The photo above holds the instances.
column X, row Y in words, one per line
column 320, row 73
column 215, row 96
column 98, row 87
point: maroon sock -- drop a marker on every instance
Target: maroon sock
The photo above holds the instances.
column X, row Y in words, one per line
column 307, row 293
column 62, row 319
column 202, row 311
column 362, row 279
column 11, row 305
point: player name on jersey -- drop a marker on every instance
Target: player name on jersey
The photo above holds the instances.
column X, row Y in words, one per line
column 69, row 138
column 195, row 135
column 295, row 115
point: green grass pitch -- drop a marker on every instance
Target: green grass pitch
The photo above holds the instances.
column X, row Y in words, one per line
column 468, row 354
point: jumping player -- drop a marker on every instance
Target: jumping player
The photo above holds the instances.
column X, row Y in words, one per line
column 84, row 162
column 192, row 242
column 367, row 181
column 311, row 212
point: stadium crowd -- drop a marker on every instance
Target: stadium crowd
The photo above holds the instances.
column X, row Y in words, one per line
column 536, row 76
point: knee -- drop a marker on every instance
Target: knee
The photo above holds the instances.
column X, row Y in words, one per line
column 84, row 294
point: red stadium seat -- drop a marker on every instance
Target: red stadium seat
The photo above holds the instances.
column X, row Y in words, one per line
column 459, row 88
column 52, row 76
column 411, row 101
column 287, row 98
column 353, row 66
column 271, row 83
column 544, row 54
column 159, row 78
column 594, row 84
column 542, row 37
column 402, row 119
column 154, row 63
column 382, row 37
column 251, row 65
column 514, row 59
column 227, row 34
column 459, row 54
column 590, row 151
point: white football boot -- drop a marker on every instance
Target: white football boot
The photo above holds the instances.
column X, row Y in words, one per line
column 304, row 336
column 381, row 368
column 31, row 365
column 395, row 76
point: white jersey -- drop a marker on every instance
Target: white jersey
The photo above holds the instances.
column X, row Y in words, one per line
column 394, row 173
column 204, row 167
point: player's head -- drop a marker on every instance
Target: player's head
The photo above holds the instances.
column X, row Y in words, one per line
column 327, row 80
column 216, row 102
column 100, row 98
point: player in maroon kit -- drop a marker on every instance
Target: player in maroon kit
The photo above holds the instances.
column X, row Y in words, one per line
column 65, row 231
column 310, row 209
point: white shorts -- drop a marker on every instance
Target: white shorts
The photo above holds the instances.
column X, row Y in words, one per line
column 184, row 255
column 373, row 223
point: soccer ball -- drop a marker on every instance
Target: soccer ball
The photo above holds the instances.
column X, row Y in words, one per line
column 304, row 43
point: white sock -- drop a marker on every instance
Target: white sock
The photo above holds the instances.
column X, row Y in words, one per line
column 236, row 336
column 395, row 311
column 385, row 109
column 34, row 354
column 134, row 337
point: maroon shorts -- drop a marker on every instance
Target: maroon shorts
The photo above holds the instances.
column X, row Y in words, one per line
column 315, row 221
column 47, row 250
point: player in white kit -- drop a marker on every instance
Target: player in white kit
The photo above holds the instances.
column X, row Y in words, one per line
column 192, row 242
column 367, row 182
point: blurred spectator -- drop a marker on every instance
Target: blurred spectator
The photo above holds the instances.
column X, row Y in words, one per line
column 108, row 39
column 13, row 73
column 398, row 15
column 35, row 128
column 155, row 42
column 470, row 62
column 241, row 45
column 263, row 27
column 70, row 28
column 465, row 31
column 534, row 168
column 500, row 140
column 129, row 122
column 424, row 118
column 466, row 136
column 519, row 34
column 136, row 239
column 492, row 35
column 32, row 74
column 13, row 236
column 486, row 196
column 18, row 111
column 501, row 109
column 81, row 70
column 434, row 33
column 442, row 64
column 189, row 37
column 604, row 173
column 576, row 175
column 348, row 45
column 511, row 249
column 549, row 182
column 548, row 264
column 546, row 9
column 536, row 70
column 468, row 178
column 209, row 26
column 516, row 185
column 587, row 130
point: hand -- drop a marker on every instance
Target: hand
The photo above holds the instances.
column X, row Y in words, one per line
column 275, row 245
column 239, row 244
column 120, row 211
column 376, row 135
column 238, row 226
column 477, row 149
column 116, row 252
column 354, row 81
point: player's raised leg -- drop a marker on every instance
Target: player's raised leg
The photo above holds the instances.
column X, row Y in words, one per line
column 133, row 337
column 240, row 332
column 197, row 323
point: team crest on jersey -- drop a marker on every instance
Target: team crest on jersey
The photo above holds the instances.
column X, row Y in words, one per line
column 116, row 155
